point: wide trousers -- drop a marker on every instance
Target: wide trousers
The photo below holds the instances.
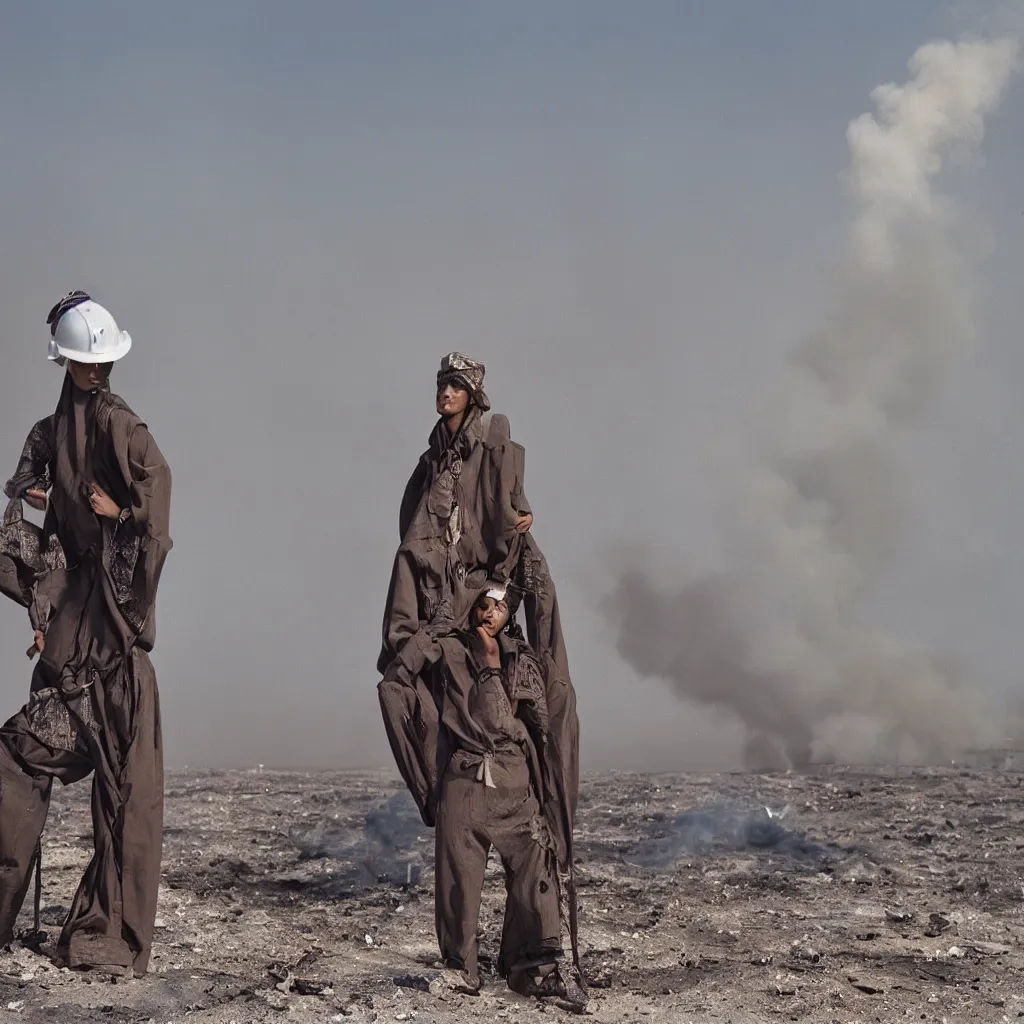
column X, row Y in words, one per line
column 472, row 817
column 112, row 916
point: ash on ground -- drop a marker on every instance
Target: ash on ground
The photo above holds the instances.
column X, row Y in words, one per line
column 269, row 910
column 725, row 830
column 390, row 850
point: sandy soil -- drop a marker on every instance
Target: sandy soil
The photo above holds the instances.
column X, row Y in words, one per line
column 879, row 895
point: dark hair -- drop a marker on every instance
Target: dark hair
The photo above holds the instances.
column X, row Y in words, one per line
column 69, row 301
column 513, row 629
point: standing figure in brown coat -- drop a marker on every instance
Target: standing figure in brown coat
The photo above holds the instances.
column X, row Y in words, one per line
column 465, row 520
column 89, row 580
column 498, row 789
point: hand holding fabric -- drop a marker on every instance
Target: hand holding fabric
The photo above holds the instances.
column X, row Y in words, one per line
column 101, row 502
column 37, row 499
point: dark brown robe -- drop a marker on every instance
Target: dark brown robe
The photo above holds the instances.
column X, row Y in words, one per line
column 477, row 476
column 90, row 584
column 457, row 525
column 437, row 577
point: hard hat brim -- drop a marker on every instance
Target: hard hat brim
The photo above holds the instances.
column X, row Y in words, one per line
column 98, row 357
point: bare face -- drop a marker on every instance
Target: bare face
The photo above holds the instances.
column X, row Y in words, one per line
column 89, row 376
column 451, row 400
column 491, row 614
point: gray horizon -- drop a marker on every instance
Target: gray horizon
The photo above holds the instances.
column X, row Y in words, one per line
column 630, row 217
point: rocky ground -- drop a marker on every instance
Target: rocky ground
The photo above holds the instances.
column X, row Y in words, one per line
column 842, row 895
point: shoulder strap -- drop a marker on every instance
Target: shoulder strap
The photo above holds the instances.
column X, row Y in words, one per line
column 494, row 429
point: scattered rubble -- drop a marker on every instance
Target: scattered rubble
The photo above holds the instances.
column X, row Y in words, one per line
column 839, row 894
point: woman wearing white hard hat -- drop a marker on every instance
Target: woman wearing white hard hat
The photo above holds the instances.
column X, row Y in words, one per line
column 89, row 578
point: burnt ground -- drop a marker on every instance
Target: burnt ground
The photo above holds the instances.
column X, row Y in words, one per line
column 879, row 895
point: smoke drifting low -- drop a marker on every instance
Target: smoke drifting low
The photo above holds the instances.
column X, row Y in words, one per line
column 812, row 507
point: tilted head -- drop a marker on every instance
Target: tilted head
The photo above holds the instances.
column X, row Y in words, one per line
column 452, row 399
column 460, row 383
column 491, row 613
column 83, row 332
column 495, row 608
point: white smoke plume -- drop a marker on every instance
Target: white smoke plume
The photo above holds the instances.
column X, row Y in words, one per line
column 812, row 504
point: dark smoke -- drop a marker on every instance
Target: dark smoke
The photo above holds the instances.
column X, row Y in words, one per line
column 696, row 639
column 389, row 851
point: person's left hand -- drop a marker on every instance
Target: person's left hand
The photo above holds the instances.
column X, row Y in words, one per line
column 102, row 504
column 524, row 523
column 491, row 650
column 38, row 644
column 37, row 499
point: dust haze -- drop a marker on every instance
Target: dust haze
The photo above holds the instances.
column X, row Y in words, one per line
column 296, row 212
column 814, row 505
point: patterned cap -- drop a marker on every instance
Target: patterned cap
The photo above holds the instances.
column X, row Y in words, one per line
column 457, row 367
column 467, row 373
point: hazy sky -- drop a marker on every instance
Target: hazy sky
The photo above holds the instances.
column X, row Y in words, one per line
column 628, row 211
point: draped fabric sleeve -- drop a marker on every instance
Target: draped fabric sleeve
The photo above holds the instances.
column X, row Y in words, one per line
column 150, row 487
column 408, row 646
column 34, row 466
column 136, row 550
column 528, row 691
column 28, row 554
column 412, row 495
column 519, row 502
column 499, row 488
column 15, row 577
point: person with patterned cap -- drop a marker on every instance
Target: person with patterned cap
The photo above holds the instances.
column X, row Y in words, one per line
column 464, row 519
column 89, row 580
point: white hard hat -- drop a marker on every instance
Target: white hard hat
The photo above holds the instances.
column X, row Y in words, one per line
column 88, row 333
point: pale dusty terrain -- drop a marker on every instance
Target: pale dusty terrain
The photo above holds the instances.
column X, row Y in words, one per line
column 884, row 895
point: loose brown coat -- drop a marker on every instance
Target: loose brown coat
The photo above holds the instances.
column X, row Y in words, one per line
column 437, row 575
column 90, row 585
column 433, row 587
